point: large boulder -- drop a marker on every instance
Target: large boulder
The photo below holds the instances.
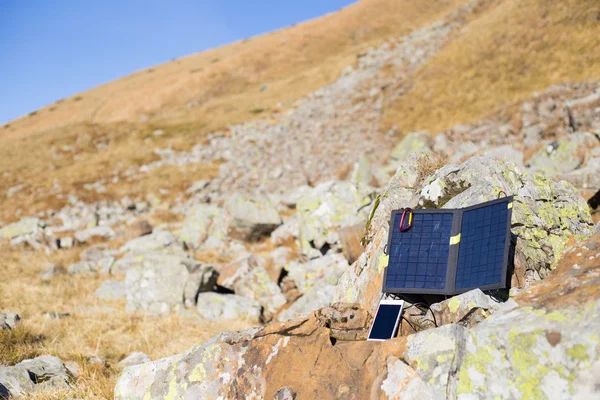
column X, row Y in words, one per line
column 161, row 240
column 586, row 177
column 327, row 208
column 26, row 226
column 201, row 222
column 563, row 155
column 297, row 355
column 319, row 295
column 251, row 216
column 256, row 284
column 158, row 282
column 327, row 269
column 46, row 373
column 222, row 307
column 546, row 216
column 14, row 381
column 232, row 272
column 49, row 370
column 542, row 345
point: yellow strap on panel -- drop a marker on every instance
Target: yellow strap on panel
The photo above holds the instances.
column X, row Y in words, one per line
column 455, row 239
column 383, row 262
column 509, row 205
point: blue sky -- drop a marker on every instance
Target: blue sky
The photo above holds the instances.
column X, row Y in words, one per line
column 53, row 49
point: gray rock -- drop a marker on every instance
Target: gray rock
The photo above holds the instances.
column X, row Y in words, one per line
column 159, row 240
column 231, row 273
column 9, row 320
column 257, row 284
column 157, row 282
column 81, row 267
column 111, row 290
column 506, row 153
column 49, row 273
column 564, row 155
column 403, row 383
column 48, row 369
column 251, row 216
column 56, row 315
column 26, row 226
column 104, row 232
column 14, row 381
column 362, row 175
column 318, row 296
column 285, row 393
column 467, row 309
column 528, row 352
column 281, row 257
column 201, row 222
column 435, row 354
column 286, row 232
column 326, row 269
column 203, row 278
column 97, row 253
column 292, row 196
column 73, row 368
column 586, row 177
column 414, row 142
column 135, row 358
column 65, row 242
column 329, row 207
column 219, row 307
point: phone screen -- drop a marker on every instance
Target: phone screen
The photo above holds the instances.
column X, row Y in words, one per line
column 386, row 322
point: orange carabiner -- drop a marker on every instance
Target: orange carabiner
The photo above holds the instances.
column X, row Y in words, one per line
column 409, row 222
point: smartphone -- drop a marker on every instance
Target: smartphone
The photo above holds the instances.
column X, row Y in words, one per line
column 386, row 320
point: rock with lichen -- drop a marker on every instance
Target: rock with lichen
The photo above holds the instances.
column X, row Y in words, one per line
column 201, row 222
column 466, row 309
column 26, row 226
column 546, row 216
column 256, row 284
column 252, row 217
column 157, row 282
column 563, row 155
column 224, row 307
column 327, row 208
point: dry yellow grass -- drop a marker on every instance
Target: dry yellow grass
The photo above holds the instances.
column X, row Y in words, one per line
column 515, row 48
column 427, row 164
column 90, row 331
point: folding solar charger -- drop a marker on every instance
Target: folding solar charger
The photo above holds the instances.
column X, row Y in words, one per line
column 449, row 251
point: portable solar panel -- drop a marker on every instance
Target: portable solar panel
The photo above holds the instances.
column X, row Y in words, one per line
column 449, row 251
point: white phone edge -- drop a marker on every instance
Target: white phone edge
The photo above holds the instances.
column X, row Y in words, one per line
column 386, row 302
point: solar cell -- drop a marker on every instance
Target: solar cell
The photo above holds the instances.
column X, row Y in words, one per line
column 481, row 254
column 419, row 256
column 449, row 251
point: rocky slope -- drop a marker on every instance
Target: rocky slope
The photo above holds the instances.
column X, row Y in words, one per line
column 285, row 239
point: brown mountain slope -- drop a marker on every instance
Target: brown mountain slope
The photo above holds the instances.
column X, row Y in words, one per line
column 222, row 86
column 102, row 132
column 511, row 51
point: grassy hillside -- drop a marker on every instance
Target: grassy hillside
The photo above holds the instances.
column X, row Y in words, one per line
column 511, row 51
column 188, row 98
column 222, row 86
